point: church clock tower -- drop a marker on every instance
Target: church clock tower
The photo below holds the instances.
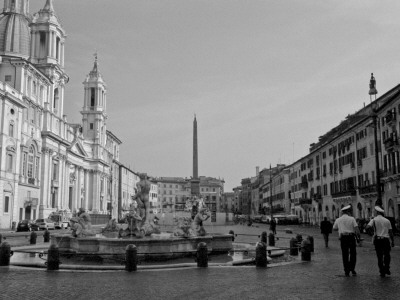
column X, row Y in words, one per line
column 94, row 111
column 47, row 53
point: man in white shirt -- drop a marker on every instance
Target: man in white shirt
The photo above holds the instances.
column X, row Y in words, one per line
column 382, row 233
column 348, row 230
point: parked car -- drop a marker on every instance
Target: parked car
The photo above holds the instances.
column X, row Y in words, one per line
column 24, row 225
column 256, row 218
column 45, row 224
column 265, row 219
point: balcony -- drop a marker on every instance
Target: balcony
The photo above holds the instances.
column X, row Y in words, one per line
column 304, row 185
column 317, row 197
column 303, row 201
column 390, row 118
column 390, row 144
column 351, row 192
column 369, row 189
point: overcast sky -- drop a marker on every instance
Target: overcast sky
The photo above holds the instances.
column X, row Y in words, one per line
column 264, row 78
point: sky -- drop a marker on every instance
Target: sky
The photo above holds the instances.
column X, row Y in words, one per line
column 264, row 78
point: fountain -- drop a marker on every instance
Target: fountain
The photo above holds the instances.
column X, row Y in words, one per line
column 144, row 233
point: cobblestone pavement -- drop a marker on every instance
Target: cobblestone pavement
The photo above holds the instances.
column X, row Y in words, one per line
column 322, row 278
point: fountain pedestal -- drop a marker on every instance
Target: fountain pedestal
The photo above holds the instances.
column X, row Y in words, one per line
column 157, row 246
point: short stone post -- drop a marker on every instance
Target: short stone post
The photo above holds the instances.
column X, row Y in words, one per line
column 305, row 250
column 46, row 236
column 311, row 240
column 231, row 232
column 5, row 253
column 264, row 237
column 294, row 247
column 261, row 255
column 202, row 255
column 131, row 258
column 33, row 237
column 271, row 239
column 53, row 258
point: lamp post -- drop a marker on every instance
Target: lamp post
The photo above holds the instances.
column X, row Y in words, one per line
column 374, row 107
column 270, row 191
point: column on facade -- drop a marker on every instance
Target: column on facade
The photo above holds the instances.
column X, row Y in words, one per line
column 33, row 44
column 48, row 36
column 85, row 188
column 62, row 54
column 45, row 180
column 67, row 183
column 60, row 204
column 95, row 192
column 37, row 44
column 80, row 186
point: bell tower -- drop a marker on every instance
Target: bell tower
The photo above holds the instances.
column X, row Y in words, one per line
column 94, row 110
column 47, row 53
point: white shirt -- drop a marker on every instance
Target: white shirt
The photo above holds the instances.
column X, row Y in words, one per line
column 382, row 226
column 345, row 224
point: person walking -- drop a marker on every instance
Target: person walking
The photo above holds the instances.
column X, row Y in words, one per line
column 348, row 232
column 326, row 230
column 382, row 232
column 272, row 226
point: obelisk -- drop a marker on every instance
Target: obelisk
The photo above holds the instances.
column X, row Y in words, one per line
column 195, row 182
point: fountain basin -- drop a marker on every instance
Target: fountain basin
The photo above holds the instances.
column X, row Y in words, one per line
column 154, row 247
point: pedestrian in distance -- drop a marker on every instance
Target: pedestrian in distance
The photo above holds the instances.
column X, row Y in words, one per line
column 348, row 233
column 326, row 230
column 272, row 226
column 382, row 233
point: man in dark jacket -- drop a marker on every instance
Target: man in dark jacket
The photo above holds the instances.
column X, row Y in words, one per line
column 326, row 230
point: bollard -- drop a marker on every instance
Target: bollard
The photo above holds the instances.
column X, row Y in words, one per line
column 231, row 232
column 311, row 240
column 261, row 255
column 131, row 258
column 46, row 236
column 264, row 237
column 5, row 253
column 53, row 258
column 299, row 238
column 271, row 239
column 32, row 240
column 294, row 247
column 202, row 255
column 1, row 238
column 305, row 250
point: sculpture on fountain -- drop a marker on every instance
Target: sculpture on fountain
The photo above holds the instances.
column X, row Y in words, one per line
column 203, row 215
column 81, row 225
column 183, row 227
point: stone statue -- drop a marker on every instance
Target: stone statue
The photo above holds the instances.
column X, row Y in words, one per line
column 142, row 197
column 201, row 216
column 183, row 227
column 132, row 223
column 81, row 225
column 111, row 229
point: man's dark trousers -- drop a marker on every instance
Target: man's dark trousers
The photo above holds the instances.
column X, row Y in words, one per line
column 382, row 248
column 349, row 253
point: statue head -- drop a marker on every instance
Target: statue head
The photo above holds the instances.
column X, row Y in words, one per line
column 143, row 176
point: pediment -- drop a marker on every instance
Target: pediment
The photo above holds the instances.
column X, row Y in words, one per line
column 77, row 148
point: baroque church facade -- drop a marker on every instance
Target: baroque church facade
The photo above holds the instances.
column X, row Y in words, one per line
column 46, row 163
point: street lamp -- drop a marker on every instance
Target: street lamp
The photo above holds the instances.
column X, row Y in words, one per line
column 374, row 115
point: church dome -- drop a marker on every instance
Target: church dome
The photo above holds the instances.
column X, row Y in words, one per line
column 15, row 35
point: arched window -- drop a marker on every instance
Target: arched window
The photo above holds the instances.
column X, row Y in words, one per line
column 31, row 160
